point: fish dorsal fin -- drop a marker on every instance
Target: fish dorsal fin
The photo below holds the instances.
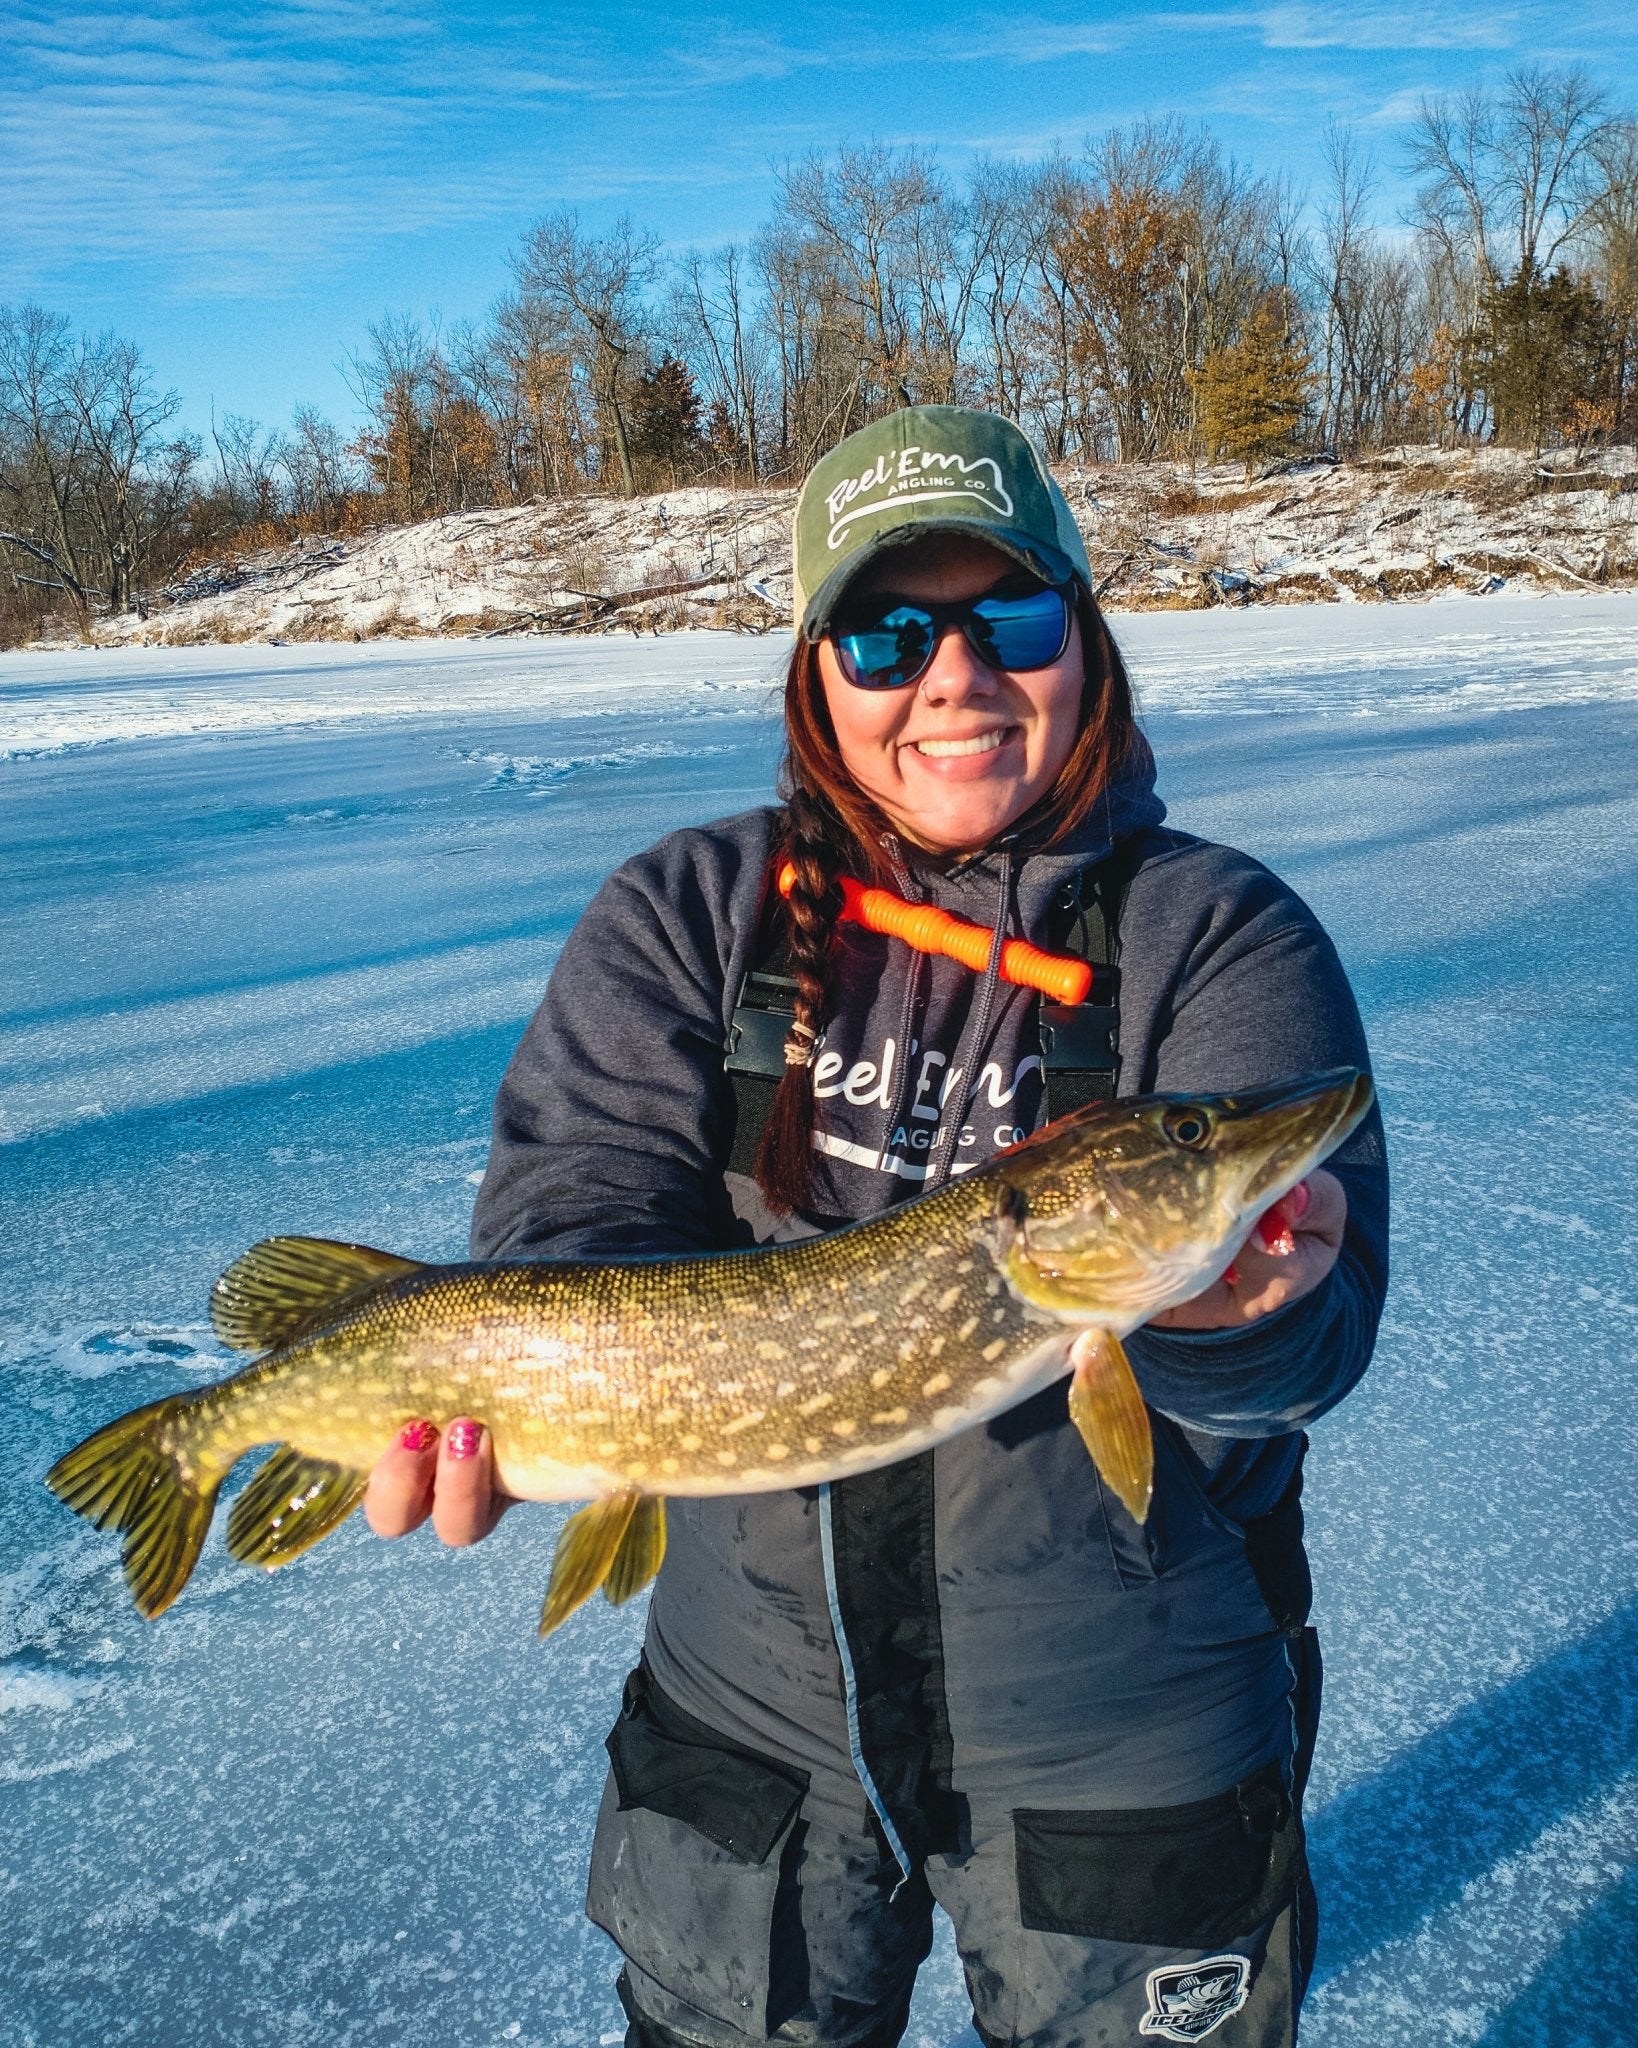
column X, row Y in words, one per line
column 282, row 1284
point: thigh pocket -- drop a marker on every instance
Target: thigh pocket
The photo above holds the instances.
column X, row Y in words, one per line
column 686, row 1861
column 1164, row 1876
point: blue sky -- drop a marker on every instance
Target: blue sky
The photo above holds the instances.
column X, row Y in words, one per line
column 242, row 187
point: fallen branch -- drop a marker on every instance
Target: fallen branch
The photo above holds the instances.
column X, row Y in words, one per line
column 617, row 600
column 69, row 582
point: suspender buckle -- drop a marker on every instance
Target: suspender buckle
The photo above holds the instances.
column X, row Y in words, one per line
column 1078, row 1038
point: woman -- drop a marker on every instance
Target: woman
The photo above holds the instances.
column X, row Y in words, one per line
column 970, row 1677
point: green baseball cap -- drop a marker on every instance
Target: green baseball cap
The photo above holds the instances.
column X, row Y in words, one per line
column 927, row 468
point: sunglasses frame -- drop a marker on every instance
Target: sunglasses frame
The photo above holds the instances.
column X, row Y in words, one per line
column 943, row 617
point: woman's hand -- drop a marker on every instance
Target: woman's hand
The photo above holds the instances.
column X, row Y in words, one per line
column 451, row 1479
column 1288, row 1254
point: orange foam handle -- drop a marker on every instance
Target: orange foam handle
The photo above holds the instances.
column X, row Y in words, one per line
column 928, row 929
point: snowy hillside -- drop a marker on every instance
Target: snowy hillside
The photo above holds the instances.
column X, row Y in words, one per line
column 1162, row 537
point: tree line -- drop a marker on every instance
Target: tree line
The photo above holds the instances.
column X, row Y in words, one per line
column 1151, row 298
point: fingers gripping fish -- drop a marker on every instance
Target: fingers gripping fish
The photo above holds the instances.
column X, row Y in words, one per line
column 729, row 1373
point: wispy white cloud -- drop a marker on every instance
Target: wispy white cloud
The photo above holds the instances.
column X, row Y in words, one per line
column 1046, row 38
column 240, row 147
column 1397, row 110
column 229, row 153
column 1328, row 25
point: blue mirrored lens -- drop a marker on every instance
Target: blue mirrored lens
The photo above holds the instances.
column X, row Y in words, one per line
column 889, row 652
column 1023, row 632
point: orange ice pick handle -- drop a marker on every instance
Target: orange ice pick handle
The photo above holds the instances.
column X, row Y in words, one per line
column 931, row 930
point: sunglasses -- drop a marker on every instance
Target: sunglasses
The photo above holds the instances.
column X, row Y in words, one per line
column 893, row 646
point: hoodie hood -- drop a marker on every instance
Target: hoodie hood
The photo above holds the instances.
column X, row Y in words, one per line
column 968, row 886
column 927, row 1069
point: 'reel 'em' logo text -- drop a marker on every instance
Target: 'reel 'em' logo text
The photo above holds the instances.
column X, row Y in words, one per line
column 915, row 473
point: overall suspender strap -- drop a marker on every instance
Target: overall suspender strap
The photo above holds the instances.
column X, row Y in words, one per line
column 755, row 1058
column 1080, row 1043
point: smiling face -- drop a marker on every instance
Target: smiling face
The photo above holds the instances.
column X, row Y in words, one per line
column 956, row 757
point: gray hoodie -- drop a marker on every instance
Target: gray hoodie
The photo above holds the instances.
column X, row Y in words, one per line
column 1016, row 1637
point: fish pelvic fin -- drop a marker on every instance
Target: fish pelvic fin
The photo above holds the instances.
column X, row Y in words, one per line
column 278, row 1287
column 289, row 1505
column 129, row 1476
column 1107, row 1408
column 586, row 1551
column 641, row 1552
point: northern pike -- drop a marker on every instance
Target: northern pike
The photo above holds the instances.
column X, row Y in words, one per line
column 722, row 1373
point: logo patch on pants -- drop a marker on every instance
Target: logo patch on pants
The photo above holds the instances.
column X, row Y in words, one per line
column 1188, row 2000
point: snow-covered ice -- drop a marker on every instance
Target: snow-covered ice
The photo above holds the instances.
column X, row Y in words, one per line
column 271, row 922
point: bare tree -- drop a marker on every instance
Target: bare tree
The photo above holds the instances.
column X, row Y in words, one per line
column 1509, row 180
column 1347, row 275
column 389, row 380
column 139, row 478
column 538, row 391
column 812, row 331
column 41, row 455
column 89, row 479
column 248, row 463
column 1005, row 222
column 321, row 476
column 1612, row 228
column 596, row 285
column 1233, row 220
column 886, row 220
column 1054, row 386
column 715, row 329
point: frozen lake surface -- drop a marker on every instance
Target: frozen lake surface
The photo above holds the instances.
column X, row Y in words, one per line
column 271, row 922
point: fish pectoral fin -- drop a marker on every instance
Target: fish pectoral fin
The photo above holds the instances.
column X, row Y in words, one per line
column 586, row 1551
column 1107, row 1409
column 641, row 1552
column 282, row 1284
column 292, row 1502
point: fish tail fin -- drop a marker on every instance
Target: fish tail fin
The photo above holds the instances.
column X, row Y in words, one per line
column 291, row 1503
column 586, row 1552
column 132, row 1476
column 1107, row 1408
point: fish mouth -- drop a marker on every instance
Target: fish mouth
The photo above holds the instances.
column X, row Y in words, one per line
column 1290, row 1127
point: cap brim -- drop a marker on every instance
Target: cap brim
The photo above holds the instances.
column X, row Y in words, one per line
column 1037, row 556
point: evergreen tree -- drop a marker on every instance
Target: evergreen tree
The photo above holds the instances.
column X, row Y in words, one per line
column 1251, row 396
column 666, row 440
column 1542, row 355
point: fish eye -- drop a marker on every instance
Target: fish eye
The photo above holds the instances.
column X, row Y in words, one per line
column 1191, row 1127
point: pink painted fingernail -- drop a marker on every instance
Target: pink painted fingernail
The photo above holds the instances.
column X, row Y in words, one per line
column 1302, row 1197
column 1231, row 1275
column 462, row 1439
column 1274, row 1234
column 417, row 1436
